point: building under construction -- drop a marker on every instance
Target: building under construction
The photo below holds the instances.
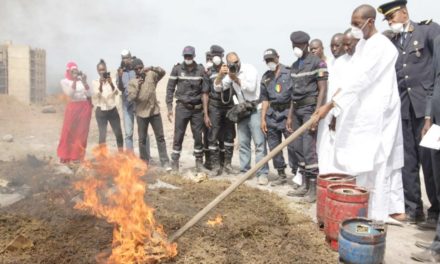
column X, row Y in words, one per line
column 23, row 72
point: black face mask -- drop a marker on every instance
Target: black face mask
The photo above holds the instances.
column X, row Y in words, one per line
column 234, row 67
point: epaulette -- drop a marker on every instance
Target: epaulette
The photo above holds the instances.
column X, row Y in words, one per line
column 177, row 64
column 425, row 22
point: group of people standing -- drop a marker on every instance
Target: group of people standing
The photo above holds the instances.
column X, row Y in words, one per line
column 374, row 100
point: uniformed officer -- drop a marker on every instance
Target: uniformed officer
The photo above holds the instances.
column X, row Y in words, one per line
column 190, row 79
column 221, row 130
column 309, row 78
column 275, row 94
column 415, row 77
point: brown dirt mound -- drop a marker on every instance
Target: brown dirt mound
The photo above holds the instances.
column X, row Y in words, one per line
column 257, row 226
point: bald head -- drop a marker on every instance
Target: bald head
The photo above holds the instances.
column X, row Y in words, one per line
column 336, row 45
column 365, row 11
column 232, row 57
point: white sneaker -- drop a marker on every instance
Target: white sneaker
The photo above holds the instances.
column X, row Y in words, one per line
column 262, row 180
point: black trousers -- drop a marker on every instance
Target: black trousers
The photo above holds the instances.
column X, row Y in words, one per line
column 156, row 124
column 305, row 145
column 112, row 117
column 414, row 156
column 435, row 155
column 222, row 134
column 182, row 118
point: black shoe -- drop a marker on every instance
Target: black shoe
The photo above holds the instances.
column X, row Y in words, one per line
column 429, row 224
column 281, row 180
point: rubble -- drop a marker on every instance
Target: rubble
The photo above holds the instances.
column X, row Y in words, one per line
column 48, row 109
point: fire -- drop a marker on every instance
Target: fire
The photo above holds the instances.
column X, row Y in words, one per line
column 137, row 237
column 217, row 221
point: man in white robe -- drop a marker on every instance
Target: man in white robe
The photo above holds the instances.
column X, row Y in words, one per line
column 368, row 138
column 337, row 75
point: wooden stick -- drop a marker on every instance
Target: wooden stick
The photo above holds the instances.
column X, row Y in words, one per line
column 242, row 179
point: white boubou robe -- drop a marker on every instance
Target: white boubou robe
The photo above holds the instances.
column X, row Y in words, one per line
column 368, row 137
column 326, row 138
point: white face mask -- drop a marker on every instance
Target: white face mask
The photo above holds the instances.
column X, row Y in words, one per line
column 217, row 60
column 397, row 27
column 357, row 32
column 272, row 66
column 298, row 52
column 209, row 64
column 189, row 62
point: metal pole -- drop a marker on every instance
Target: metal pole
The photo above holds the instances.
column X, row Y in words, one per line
column 242, row 179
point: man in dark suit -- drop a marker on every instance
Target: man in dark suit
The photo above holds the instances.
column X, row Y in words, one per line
column 432, row 250
column 415, row 76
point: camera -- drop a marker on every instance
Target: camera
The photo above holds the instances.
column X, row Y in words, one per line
column 106, row 75
column 142, row 76
column 233, row 67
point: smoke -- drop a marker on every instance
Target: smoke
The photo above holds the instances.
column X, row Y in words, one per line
column 157, row 31
column 82, row 31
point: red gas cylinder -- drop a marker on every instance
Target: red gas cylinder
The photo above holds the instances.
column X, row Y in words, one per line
column 344, row 201
column 325, row 180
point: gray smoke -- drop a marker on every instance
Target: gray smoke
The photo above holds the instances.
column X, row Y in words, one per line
column 156, row 31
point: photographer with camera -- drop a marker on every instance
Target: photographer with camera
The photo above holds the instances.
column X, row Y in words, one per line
column 142, row 91
column 243, row 78
column 104, row 98
column 73, row 141
column 221, row 130
column 125, row 75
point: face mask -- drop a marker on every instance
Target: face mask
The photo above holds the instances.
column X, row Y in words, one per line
column 397, row 27
column 217, row 60
column 298, row 52
column 357, row 32
column 272, row 66
column 189, row 62
column 209, row 64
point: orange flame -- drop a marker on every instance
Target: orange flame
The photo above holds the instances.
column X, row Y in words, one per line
column 137, row 238
column 217, row 221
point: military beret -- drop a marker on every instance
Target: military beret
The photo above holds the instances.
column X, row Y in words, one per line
column 137, row 62
column 270, row 54
column 299, row 37
column 189, row 50
column 390, row 7
column 216, row 50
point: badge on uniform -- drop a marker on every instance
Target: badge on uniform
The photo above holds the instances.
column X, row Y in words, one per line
column 418, row 54
column 278, row 88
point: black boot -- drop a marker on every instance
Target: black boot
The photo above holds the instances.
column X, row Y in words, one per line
column 175, row 165
column 216, row 169
column 208, row 160
column 199, row 164
column 302, row 190
column 310, row 196
column 222, row 157
column 228, row 159
column 281, row 180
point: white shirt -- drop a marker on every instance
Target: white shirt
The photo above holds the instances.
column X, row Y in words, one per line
column 250, row 84
column 78, row 94
column 107, row 99
column 369, row 129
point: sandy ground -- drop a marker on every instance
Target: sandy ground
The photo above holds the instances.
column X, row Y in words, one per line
column 36, row 133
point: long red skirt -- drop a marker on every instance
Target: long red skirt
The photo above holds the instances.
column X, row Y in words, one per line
column 73, row 141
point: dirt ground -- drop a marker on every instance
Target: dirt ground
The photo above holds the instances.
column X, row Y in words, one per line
column 257, row 226
column 262, row 224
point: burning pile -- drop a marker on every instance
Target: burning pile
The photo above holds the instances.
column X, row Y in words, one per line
column 137, row 238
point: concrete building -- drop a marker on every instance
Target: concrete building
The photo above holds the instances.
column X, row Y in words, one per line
column 23, row 72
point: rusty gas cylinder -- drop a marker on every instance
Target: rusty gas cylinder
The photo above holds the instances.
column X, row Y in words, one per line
column 344, row 201
column 323, row 182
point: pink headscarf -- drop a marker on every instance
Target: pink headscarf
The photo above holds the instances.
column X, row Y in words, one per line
column 70, row 65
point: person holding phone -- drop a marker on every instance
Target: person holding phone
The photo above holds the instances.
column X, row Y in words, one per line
column 104, row 98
